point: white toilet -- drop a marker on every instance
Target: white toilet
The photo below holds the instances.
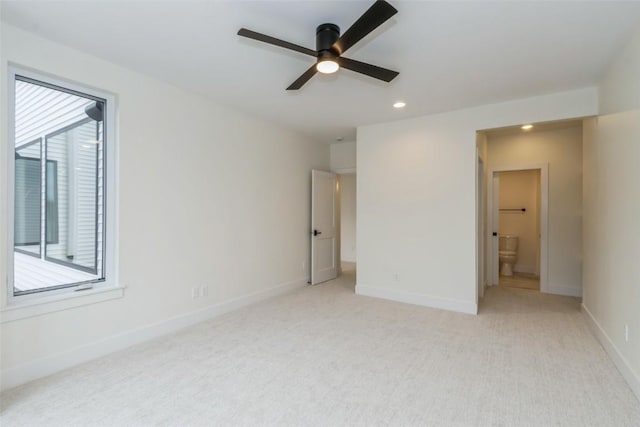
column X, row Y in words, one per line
column 507, row 253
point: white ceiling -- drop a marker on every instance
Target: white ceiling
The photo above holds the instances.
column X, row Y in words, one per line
column 450, row 55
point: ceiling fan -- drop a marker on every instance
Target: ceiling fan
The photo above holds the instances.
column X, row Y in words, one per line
column 330, row 45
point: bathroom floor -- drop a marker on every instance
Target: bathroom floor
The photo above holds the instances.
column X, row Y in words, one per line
column 521, row 280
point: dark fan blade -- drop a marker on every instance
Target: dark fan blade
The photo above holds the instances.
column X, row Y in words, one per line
column 368, row 69
column 276, row 42
column 369, row 21
column 303, row 78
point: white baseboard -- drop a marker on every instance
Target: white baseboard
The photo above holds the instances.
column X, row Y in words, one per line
column 632, row 378
column 525, row 269
column 564, row 290
column 348, row 259
column 467, row 307
column 49, row 365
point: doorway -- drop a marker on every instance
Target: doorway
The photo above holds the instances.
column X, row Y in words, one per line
column 555, row 150
column 347, row 196
column 518, row 210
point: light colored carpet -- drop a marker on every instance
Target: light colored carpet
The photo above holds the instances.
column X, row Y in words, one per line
column 324, row 356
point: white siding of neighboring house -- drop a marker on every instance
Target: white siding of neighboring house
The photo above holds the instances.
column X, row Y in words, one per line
column 86, row 174
column 28, row 184
column 41, row 111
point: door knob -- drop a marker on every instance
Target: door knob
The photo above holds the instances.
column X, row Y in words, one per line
column 316, row 232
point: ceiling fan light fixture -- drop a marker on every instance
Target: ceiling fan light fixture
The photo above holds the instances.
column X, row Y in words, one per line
column 331, row 45
column 327, row 66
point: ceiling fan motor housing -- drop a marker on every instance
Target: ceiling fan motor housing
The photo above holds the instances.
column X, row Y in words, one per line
column 326, row 36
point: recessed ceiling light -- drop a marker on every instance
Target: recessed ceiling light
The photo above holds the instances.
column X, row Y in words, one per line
column 340, row 139
column 527, row 127
column 399, row 104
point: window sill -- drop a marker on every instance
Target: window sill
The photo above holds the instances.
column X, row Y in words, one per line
column 49, row 304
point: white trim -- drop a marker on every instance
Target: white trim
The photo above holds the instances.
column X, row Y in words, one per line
column 343, row 171
column 529, row 269
column 110, row 154
column 480, row 216
column 632, row 378
column 493, row 263
column 349, row 259
column 59, row 302
column 49, row 365
column 9, row 179
column 565, row 290
column 492, row 209
column 467, row 307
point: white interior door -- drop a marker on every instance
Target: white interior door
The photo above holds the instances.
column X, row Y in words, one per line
column 323, row 226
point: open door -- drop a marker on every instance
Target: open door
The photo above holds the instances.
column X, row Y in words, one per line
column 323, row 226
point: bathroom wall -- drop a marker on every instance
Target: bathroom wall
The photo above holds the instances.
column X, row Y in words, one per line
column 561, row 149
column 521, row 189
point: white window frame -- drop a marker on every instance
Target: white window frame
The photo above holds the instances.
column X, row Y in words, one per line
column 29, row 305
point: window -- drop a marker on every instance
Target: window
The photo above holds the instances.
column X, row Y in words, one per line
column 61, row 177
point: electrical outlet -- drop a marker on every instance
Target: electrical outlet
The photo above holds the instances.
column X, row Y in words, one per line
column 626, row 333
column 195, row 292
column 204, row 291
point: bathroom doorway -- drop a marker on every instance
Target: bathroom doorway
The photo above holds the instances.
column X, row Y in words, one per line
column 518, row 208
column 555, row 149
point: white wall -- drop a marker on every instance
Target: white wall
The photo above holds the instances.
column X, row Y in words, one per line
column 521, row 189
column 207, row 196
column 416, row 198
column 619, row 90
column 611, row 214
column 343, row 157
column 348, row 217
column 561, row 149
